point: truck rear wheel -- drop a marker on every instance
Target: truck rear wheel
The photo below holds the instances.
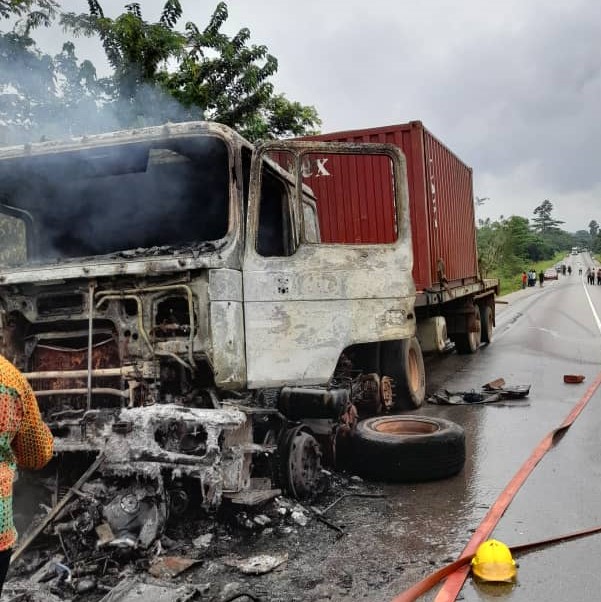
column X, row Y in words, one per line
column 468, row 342
column 404, row 363
column 408, row 448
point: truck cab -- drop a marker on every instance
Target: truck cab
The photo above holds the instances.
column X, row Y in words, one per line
column 167, row 294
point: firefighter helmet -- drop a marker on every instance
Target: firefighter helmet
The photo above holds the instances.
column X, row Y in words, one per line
column 493, row 562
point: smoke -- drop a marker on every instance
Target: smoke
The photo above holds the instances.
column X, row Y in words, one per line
column 112, row 199
column 99, row 201
column 48, row 98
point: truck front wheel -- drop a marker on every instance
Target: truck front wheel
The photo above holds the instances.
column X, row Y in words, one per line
column 404, row 363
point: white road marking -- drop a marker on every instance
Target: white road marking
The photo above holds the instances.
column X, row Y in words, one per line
column 595, row 314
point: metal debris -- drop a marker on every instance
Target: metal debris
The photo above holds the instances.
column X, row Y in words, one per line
column 132, row 590
column 573, row 379
column 489, row 393
column 258, row 565
column 168, row 567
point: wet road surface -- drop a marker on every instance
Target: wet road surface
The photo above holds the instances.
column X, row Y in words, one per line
column 541, row 334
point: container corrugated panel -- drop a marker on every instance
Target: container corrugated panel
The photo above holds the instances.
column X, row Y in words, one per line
column 440, row 201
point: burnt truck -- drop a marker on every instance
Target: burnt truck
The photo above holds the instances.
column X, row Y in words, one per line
column 171, row 297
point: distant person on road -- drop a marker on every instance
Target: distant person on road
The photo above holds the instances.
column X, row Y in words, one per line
column 563, row 269
column 569, row 270
column 541, row 277
column 524, row 279
column 599, row 276
column 531, row 278
column 579, row 271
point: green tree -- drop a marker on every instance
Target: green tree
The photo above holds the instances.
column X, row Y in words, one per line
column 135, row 48
column 543, row 222
column 137, row 51
column 35, row 12
column 222, row 78
column 593, row 228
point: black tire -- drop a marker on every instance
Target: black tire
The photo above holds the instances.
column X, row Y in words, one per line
column 486, row 324
column 404, row 362
column 408, row 448
column 468, row 342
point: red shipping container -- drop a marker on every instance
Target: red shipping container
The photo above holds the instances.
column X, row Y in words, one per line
column 441, row 201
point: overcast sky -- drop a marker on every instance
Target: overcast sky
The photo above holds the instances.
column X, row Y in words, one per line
column 513, row 87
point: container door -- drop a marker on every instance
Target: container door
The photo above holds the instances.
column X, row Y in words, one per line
column 306, row 301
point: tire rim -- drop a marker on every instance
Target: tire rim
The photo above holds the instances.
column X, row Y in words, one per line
column 405, row 427
column 303, row 464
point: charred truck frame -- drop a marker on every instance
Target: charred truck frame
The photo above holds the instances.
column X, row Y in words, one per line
column 167, row 294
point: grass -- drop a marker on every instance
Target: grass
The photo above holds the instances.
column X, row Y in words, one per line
column 509, row 284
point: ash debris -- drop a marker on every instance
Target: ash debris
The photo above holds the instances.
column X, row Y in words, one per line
column 199, row 556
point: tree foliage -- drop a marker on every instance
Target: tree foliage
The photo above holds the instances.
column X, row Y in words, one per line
column 543, row 222
column 222, row 78
column 593, row 228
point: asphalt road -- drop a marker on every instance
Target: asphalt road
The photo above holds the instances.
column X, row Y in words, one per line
column 542, row 334
column 557, row 332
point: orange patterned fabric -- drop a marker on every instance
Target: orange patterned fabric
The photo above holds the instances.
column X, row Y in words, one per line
column 25, row 441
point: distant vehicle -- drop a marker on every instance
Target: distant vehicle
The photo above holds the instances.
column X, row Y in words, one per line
column 575, row 251
column 551, row 274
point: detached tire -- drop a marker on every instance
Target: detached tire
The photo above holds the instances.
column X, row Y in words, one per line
column 408, row 448
column 404, row 362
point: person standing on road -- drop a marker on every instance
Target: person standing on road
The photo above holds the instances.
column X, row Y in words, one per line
column 599, row 276
column 541, row 277
column 25, row 441
column 524, row 279
column 569, row 270
column 588, row 275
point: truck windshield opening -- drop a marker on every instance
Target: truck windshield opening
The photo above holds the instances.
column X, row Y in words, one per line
column 111, row 199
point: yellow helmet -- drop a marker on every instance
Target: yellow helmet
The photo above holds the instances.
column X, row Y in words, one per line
column 493, row 562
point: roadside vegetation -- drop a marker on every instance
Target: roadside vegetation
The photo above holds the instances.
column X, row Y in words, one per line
column 509, row 246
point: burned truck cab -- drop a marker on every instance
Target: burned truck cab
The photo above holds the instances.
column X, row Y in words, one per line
column 166, row 294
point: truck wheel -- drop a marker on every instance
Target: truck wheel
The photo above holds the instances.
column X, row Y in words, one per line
column 486, row 324
column 300, row 463
column 404, row 363
column 468, row 342
column 408, row 448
